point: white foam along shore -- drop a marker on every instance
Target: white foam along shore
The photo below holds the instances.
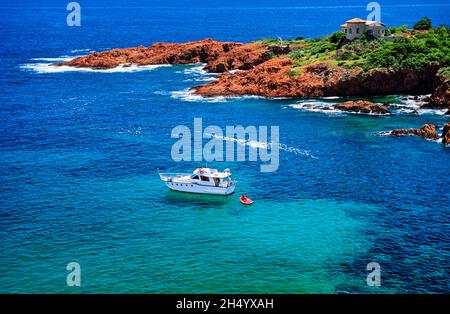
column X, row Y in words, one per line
column 189, row 95
column 46, row 65
column 408, row 105
column 316, row 106
column 196, row 69
column 196, row 73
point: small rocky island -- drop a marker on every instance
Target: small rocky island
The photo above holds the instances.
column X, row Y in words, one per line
column 427, row 131
column 402, row 61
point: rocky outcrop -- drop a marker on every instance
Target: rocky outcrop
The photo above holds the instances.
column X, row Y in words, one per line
column 383, row 82
column 446, row 134
column 242, row 57
column 219, row 56
column 278, row 78
column 441, row 93
column 427, row 131
column 351, row 106
column 159, row 53
column 362, row 106
column 272, row 78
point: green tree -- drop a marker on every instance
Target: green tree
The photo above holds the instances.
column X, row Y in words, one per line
column 336, row 37
column 423, row 24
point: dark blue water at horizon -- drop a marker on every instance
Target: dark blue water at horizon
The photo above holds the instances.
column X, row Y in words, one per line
column 79, row 152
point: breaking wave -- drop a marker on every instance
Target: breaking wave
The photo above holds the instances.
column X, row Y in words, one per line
column 56, row 59
column 405, row 105
column 197, row 73
column 188, row 95
column 412, row 105
column 316, row 106
column 82, row 50
column 42, row 68
column 197, row 69
column 46, row 65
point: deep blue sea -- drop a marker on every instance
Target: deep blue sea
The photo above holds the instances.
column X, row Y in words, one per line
column 79, row 152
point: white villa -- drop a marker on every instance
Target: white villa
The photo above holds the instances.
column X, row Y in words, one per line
column 354, row 28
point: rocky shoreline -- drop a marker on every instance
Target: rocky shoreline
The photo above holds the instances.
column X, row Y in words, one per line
column 265, row 70
column 218, row 56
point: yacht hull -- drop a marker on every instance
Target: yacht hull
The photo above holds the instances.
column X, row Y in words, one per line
column 200, row 189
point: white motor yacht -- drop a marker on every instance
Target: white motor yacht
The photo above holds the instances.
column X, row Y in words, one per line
column 202, row 180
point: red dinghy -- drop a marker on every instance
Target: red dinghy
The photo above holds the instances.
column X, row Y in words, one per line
column 245, row 200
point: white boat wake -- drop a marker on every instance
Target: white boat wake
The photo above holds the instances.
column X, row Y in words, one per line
column 256, row 144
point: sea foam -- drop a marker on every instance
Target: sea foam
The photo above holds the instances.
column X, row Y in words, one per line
column 315, row 106
column 412, row 105
column 43, row 68
column 198, row 73
column 407, row 105
column 188, row 95
column 45, row 65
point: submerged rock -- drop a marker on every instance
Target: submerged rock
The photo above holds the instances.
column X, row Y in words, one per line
column 362, row 106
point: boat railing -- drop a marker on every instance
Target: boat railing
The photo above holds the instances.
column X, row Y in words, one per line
column 227, row 184
column 167, row 176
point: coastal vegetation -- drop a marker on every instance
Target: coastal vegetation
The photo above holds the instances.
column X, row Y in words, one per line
column 445, row 73
column 414, row 48
column 423, row 24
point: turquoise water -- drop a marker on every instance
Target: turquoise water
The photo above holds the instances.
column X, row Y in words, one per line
column 78, row 179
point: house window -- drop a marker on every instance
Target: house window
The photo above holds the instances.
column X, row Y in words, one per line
column 346, row 31
column 350, row 30
column 357, row 31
